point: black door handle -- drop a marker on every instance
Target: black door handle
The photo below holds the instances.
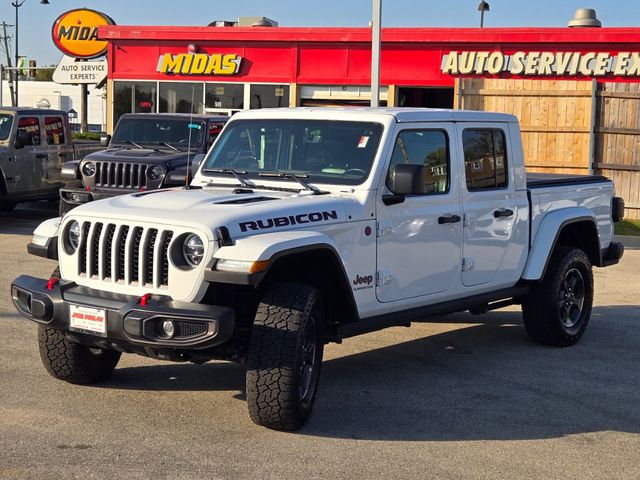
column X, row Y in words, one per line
column 41, row 155
column 502, row 212
column 449, row 219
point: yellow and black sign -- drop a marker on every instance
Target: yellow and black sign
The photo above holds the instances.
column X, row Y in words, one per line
column 75, row 33
column 200, row 64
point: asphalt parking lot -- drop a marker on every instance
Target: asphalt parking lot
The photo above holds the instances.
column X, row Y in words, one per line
column 466, row 397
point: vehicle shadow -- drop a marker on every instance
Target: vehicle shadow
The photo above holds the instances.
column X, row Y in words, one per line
column 218, row 376
column 486, row 382
column 26, row 217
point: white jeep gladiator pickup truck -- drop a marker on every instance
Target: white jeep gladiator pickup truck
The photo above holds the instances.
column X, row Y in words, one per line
column 308, row 226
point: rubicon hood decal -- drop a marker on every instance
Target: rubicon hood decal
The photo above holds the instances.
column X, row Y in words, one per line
column 276, row 222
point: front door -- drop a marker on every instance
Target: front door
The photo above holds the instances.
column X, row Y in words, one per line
column 28, row 167
column 419, row 239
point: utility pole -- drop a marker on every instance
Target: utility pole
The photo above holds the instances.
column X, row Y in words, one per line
column 375, row 53
column 5, row 47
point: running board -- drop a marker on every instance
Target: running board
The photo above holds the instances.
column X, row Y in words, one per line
column 404, row 318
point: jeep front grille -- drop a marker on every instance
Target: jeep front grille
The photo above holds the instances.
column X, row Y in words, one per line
column 129, row 255
column 121, row 175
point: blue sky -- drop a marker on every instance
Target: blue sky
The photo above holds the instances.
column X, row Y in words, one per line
column 36, row 19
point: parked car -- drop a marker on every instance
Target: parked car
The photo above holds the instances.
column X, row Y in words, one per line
column 308, row 226
column 34, row 144
column 147, row 151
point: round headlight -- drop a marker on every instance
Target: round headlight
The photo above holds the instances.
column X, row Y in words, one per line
column 155, row 172
column 73, row 235
column 193, row 249
column 89, row 169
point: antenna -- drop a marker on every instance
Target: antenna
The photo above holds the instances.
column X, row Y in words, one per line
column 186, row 178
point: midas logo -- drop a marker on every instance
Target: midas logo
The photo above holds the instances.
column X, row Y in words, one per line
column 75, row 33
column 199, row 64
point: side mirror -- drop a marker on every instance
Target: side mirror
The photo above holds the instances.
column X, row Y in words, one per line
column 22, row 139
column 407, row 179
column 105, row 140
column 195, row 163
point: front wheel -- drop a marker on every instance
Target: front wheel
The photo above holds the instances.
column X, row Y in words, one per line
column 285, row 356
column 72, row 362
column 558, row 309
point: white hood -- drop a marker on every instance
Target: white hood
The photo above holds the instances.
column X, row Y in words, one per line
column 243, row 214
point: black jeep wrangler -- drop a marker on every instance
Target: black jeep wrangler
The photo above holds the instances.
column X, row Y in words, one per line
column 147, row 151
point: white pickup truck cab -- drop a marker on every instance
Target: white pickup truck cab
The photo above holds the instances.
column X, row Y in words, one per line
column 306, row 226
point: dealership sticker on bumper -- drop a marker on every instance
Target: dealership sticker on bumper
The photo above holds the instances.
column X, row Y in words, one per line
column 88, row 320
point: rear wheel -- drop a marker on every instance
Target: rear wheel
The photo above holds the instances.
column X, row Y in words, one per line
column 285, row 356
column 558, row 309
column 72, row 362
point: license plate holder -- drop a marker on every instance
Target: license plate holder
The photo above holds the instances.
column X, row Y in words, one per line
column 89, row 320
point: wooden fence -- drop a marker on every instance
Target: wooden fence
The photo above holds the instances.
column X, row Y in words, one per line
column 570, row 126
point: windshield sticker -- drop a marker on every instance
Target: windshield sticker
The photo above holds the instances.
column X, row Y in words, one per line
column 195, row 125
column 277, row 222
column 363, row 142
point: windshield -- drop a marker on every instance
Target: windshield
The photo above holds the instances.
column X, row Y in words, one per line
column 159, row 131
column 327, row 151
column 5, row 125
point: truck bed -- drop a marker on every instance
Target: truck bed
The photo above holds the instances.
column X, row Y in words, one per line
column 540, row 180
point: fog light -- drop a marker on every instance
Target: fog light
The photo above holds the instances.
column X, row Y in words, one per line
column 168, row 328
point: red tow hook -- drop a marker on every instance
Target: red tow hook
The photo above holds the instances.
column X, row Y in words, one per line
column 88, row 188
column 52, row 283
column 144, row 299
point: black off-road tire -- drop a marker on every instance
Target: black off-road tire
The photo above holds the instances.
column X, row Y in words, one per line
column 557, row 310
column 72, row 362
column 6, row 206
column 285, row 356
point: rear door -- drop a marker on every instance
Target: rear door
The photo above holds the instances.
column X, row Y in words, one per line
column 494, row 214
column 419, row 240
column 59, row 149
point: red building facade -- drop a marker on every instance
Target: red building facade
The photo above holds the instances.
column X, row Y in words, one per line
column 225, row 69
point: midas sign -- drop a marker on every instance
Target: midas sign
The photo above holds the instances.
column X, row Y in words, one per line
column 200, row 63
column 589, row 64
column 75, row 33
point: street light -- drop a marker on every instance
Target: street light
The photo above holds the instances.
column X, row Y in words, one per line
column 17, row 5
column 483, row 7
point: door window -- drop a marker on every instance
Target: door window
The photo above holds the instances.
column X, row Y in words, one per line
column 424, row 147
column 54, row 128
column 214, row 130
column 31, row 125
column 485, row 159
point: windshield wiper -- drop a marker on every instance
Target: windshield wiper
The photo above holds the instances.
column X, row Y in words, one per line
column 168, row 145
column 298, row 178
column 131, row 143
column 230, row 171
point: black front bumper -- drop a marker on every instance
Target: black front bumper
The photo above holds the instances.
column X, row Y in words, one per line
column 130, row 326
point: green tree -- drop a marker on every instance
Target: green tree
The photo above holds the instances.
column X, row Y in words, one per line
column 44, row 74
